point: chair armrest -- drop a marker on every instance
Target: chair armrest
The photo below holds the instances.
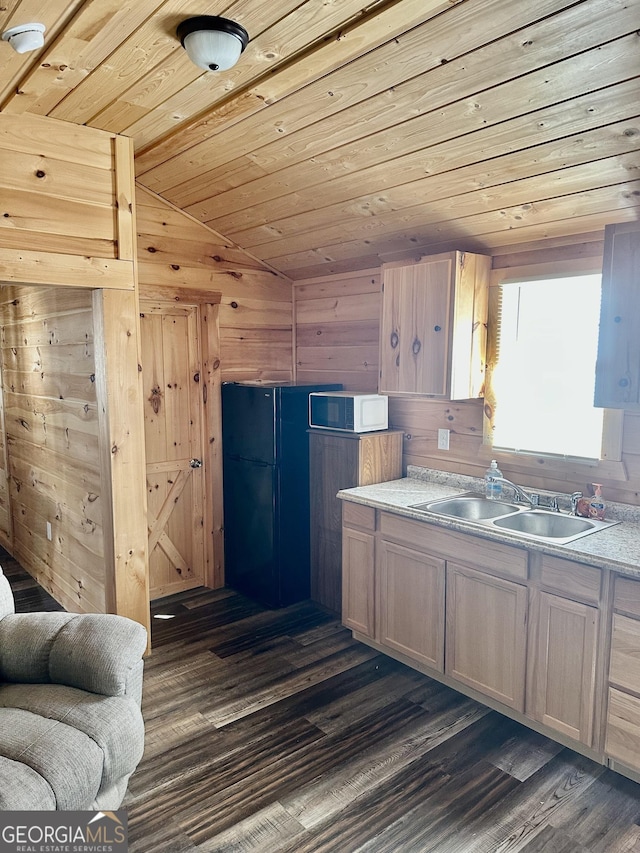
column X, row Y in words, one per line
column 100, row 653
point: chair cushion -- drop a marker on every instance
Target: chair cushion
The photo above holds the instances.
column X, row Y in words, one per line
column 112, row 724
column 100, row 652
column 22, row 788
column 66, row 758
column 26, row 643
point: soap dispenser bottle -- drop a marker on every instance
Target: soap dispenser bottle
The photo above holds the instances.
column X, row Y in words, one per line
column 597, row 505
column 493, row 487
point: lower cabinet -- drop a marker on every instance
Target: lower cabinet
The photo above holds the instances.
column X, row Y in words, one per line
column 486, row 635
column 563, row 659
column 521, row 628
column 623, row 710
column 410, row 603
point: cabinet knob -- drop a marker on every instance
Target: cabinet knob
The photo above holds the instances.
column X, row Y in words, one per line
column 394, row 340
column 437, row 328
column 623, row 383
column 416, row 346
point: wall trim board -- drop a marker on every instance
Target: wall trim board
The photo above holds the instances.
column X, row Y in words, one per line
column 18, row 266
column 179, row 295
column 122, row 453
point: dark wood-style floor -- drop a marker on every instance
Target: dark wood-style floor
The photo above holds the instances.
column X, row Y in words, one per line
column 273, row 731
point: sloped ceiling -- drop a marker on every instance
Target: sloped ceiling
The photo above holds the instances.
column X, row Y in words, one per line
column 351, row 132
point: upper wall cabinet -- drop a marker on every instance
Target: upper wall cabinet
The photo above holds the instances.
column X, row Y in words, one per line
column 433, row 327
column 618, row 366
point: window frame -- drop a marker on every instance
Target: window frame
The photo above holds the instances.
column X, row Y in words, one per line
column 612, row 432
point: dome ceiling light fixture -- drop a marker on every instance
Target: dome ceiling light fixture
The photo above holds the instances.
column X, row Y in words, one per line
column 25, row 37
column 212, row 43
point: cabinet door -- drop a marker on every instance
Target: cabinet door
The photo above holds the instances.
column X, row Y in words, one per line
column 486, row 634
column 433, row 326
column 563, row 658
column 618, row 365
column 332, row 466
column 415, row 327
column 358, row 589
column 410, row 598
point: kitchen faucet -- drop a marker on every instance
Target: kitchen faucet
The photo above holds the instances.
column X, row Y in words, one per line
column 532, row 499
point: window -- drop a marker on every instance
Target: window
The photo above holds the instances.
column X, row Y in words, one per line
column 544, row 340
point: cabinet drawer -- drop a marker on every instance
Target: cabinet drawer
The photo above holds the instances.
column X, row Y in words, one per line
column 623, row 728
column 627, row 596
column 625, row 653
column 356, row 515
column 572, row 579
column 463, row 548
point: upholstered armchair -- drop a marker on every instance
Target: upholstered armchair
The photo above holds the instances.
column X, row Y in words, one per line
column 71, row 729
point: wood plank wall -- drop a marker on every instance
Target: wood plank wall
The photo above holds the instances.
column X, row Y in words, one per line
column 337, row 329
column 74, row 460
column 59, row 185
column 337, row 341
column 174, row 250
column 52, row 438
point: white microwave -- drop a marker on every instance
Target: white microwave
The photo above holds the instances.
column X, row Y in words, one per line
column 349, row 411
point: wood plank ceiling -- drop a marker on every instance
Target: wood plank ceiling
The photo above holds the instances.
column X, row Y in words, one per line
column 353, row 131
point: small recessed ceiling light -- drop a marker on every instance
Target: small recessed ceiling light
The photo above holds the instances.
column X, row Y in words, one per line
column 25, row 37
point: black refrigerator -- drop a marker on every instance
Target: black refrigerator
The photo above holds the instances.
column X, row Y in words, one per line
column 266, row 489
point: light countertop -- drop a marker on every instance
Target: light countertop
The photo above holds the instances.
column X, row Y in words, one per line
column 616, row 547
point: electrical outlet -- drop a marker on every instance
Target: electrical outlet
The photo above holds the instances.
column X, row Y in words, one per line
column 49, row 533
column 443, row 439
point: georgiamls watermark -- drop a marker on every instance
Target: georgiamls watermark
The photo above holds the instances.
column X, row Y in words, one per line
column 63, row 832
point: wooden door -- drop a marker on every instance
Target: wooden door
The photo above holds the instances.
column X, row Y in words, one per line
column 564, row 659
column 410, row 597
column 184, row 491
column 486, row 634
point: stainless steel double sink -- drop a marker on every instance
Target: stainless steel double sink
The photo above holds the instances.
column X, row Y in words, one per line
column 537, row 524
